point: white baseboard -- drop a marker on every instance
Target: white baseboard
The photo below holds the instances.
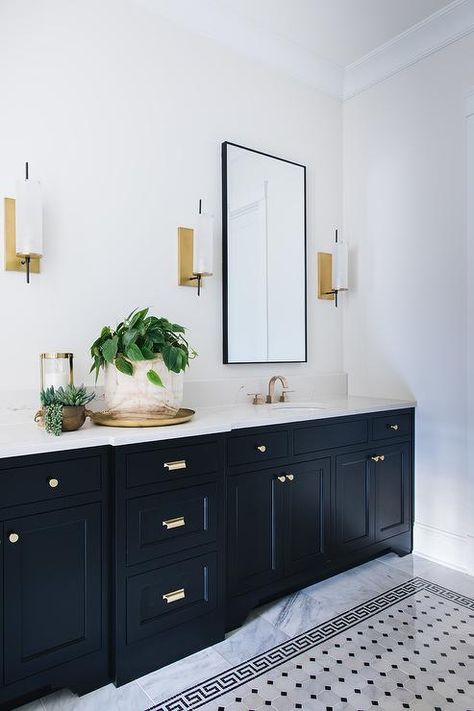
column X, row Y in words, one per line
column 445, row 547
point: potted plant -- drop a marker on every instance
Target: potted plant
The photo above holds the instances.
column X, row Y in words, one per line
column 64, row 409
column 144, row 358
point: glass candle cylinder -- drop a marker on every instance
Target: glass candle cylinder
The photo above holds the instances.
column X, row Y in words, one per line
column 56, row 370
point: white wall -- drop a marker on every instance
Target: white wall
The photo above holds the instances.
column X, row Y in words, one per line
column 121, row 115
column 405, row 320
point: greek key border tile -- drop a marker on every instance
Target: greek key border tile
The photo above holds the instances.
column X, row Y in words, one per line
column 220, row 684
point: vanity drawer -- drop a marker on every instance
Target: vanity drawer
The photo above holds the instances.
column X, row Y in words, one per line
column 48, row 481
column 318, row 437
column 390, row 426
column 170, row 596
column 171, row 522
column 155, row 465
column 257, row 448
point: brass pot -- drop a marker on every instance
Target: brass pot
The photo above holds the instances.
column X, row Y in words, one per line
column 73, row 417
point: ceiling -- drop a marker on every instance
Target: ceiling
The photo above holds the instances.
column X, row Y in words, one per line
column 341, row 31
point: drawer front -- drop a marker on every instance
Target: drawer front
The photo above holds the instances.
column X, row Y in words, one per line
column 257, row 448
column 391, row 426
column 43, row 482
column 319, row 437
column 171, row 522
column 170, row 596
column 173, row 463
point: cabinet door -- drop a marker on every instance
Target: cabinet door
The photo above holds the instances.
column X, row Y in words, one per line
column 393, row 492
column 307, row 494
column 353, row 502
column 52, row 589
column 254, row 525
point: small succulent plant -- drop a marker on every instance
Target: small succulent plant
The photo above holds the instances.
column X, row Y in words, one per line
column 53, row 402
column 74, row 397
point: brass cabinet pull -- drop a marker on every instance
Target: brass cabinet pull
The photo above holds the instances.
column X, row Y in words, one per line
column 53, row 482
column 174, row 522
column 378, row 458
column 13, row 537
column 290, row 477
column 281, row 478
column 174, row 596
column 172, row 466
column 261, row 448
column 393, row 427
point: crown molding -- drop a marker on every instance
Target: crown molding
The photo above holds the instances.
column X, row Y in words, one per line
column 211, row 19
column 439, row 30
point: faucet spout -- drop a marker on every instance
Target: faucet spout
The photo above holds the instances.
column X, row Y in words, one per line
column 271, row 387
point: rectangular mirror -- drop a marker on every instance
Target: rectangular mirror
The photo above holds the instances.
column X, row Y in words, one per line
column 264, row 257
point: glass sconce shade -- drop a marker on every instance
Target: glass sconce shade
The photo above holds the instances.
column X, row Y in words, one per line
column 340, row 264
column 56, row 370
column 29, row 219
column 203, row 245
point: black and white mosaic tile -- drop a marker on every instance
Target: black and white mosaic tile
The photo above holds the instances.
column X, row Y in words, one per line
column 411, row 647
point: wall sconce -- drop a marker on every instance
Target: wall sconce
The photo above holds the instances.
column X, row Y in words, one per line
column 24, row 228
column 196, row 251
column 333, row 271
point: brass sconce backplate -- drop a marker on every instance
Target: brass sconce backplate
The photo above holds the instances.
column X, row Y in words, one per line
column 12, row 262
column 325, row 276
column 185, row 257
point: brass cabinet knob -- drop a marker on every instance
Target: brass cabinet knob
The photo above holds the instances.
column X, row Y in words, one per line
column 13, row 537
column 393, row 427
column 261, row 448
column 382, row 457
column 53, row 482
column 290, row 477
column 378, row 457
column 281, row 478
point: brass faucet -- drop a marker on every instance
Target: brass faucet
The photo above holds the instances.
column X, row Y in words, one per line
column 271, row 388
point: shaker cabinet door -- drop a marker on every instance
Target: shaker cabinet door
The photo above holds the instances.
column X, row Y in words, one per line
column 393, row 492
column 307, row 491
column 52, row 589
column 353, row 505
column 254, row 530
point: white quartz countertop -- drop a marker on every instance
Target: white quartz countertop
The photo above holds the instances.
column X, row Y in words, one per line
column 27, row 438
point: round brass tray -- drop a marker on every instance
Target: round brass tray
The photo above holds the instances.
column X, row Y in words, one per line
column 108, row 419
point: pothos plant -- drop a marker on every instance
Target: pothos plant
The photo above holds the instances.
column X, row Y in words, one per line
column 141, row 337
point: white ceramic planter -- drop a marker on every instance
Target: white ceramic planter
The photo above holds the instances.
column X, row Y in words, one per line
column 134, row 394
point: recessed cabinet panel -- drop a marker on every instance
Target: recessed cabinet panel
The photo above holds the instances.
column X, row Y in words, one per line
column 170, row 596
column 308, row 503
column 50, row 481
column 353, row 504
column 315, row 438
column 254, row 525
column 52, row 589
column 257, row 448
column 171, row 463
column 171, row 522
column 391, row 426
column 393, row 494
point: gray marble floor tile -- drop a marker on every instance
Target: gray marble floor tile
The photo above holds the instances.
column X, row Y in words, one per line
column 125, row 698
column 254, row 637
column 414, row 565
column 164, row 683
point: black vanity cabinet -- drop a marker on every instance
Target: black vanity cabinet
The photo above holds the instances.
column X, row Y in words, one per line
column 310, row 499
column 169, row 552
column 55, row 567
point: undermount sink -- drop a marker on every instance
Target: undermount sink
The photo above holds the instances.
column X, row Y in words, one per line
column 300, row 406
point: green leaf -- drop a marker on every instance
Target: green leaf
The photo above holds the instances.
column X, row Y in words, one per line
column 133, row 352
column 148, row 354
column 129, row 337
column 137, row 317
column 177, row 328
column 109, row 349
column 154, row 378
column 124, row 366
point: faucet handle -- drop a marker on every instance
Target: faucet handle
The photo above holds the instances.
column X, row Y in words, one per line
column 257, row 398
column 284, row 393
